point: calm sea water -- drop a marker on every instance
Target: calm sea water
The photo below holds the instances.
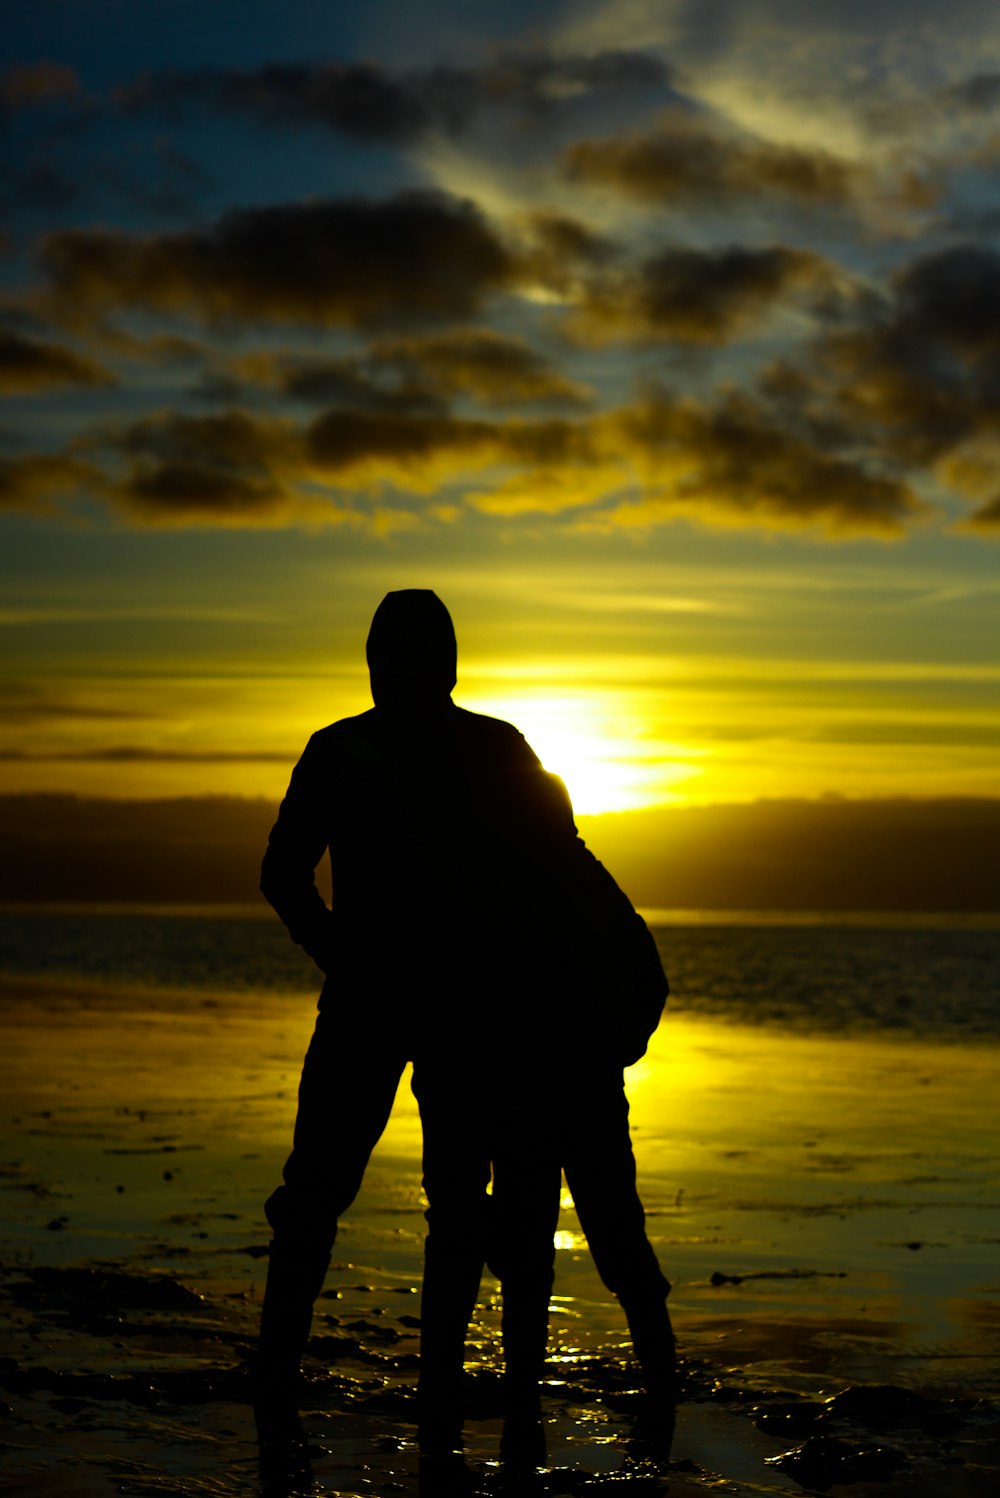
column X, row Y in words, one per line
column 861, row 975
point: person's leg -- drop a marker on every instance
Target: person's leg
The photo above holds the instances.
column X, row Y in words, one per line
column 527, row 1181
column 600, row 1173
column 456, row 1165
column 349, row 1081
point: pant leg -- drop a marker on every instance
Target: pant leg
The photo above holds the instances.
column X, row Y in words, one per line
column 600, row 1172
column 527, row 1181
column 349, row 1080
column 456, row 1174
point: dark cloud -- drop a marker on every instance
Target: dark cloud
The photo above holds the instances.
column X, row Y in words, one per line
column 221, row 469
column 143, row 754
column 420, row 373
column 27, row 366
column 35, row 480
column 686, row 158
column 354, row 383
column 699, row 296
column 227, row 439
column 730, row 462
column 43, row 187
column 913, row 374
column 952, row 298
column 394, row 446
column 351, row 263
column 423, row 453
column 32, row 84
column 979, row 94
column 22, row 706
column 558, row 253
column 165, row 183
column 722, row 463
column 985, row 520
column 189, row 493
column 367, row 102
column 558, row 239
column 660, row 459
column 493, row 368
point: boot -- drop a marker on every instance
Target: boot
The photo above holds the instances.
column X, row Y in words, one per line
column 525, row 1331
column 451, row 1284
column 295, row 1274
column 655, row 1347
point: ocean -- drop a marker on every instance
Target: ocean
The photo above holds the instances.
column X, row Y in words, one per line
column 932, row 978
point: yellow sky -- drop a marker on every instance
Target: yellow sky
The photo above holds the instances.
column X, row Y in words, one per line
column 669, row 366
column 624, row 731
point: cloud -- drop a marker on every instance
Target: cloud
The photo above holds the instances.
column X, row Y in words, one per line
column 27, row 366
column 984, row 521
column 418, row 453
column 978, row 94
column 913, row 374
column 34, row 480
column 22, row 706
column 224, row 469
column 227, row 439
column 352, row 263
column 721, row 461
column 146, row 754
column 493, row 368
column 179, row 493
column 951, row 297
column 32, row 84
column 732, row 464
column 367, row 102
column 419, row 373
column 42, row 186
column 354, row 382
column 688, row 159
column 553, row 490
column 698, row 296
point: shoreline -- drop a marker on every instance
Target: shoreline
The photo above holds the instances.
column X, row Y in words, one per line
column 766, row 916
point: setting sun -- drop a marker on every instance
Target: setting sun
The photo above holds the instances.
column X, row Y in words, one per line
column 604, row 757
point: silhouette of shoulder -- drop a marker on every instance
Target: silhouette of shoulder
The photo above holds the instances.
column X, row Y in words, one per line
column 362, row 730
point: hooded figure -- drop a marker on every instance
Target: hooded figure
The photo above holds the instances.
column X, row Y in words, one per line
column 408, row 799
column 411, row 651
column 472, row 932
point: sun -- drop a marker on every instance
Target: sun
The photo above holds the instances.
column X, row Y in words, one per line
column 604, row 761
column 595, row 776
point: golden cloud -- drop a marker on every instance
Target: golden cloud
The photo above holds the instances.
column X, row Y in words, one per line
column 686, row 158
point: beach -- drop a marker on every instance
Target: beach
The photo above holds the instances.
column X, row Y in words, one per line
column 825, row 1205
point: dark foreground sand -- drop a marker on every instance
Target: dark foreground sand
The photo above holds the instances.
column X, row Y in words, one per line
column 827, row 1209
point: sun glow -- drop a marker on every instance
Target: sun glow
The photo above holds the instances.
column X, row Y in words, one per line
column 606, row 760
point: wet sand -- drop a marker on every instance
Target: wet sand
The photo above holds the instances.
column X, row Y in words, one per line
column 827, row 1209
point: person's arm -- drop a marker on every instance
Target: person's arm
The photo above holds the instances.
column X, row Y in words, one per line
column 297, row 842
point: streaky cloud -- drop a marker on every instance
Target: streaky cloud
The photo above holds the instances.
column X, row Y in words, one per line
column 28, row 366
column 367, row 102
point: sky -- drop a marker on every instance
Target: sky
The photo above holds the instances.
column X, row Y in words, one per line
column 662, row 340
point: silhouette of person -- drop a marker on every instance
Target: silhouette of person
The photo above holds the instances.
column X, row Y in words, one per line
column 473, row 932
